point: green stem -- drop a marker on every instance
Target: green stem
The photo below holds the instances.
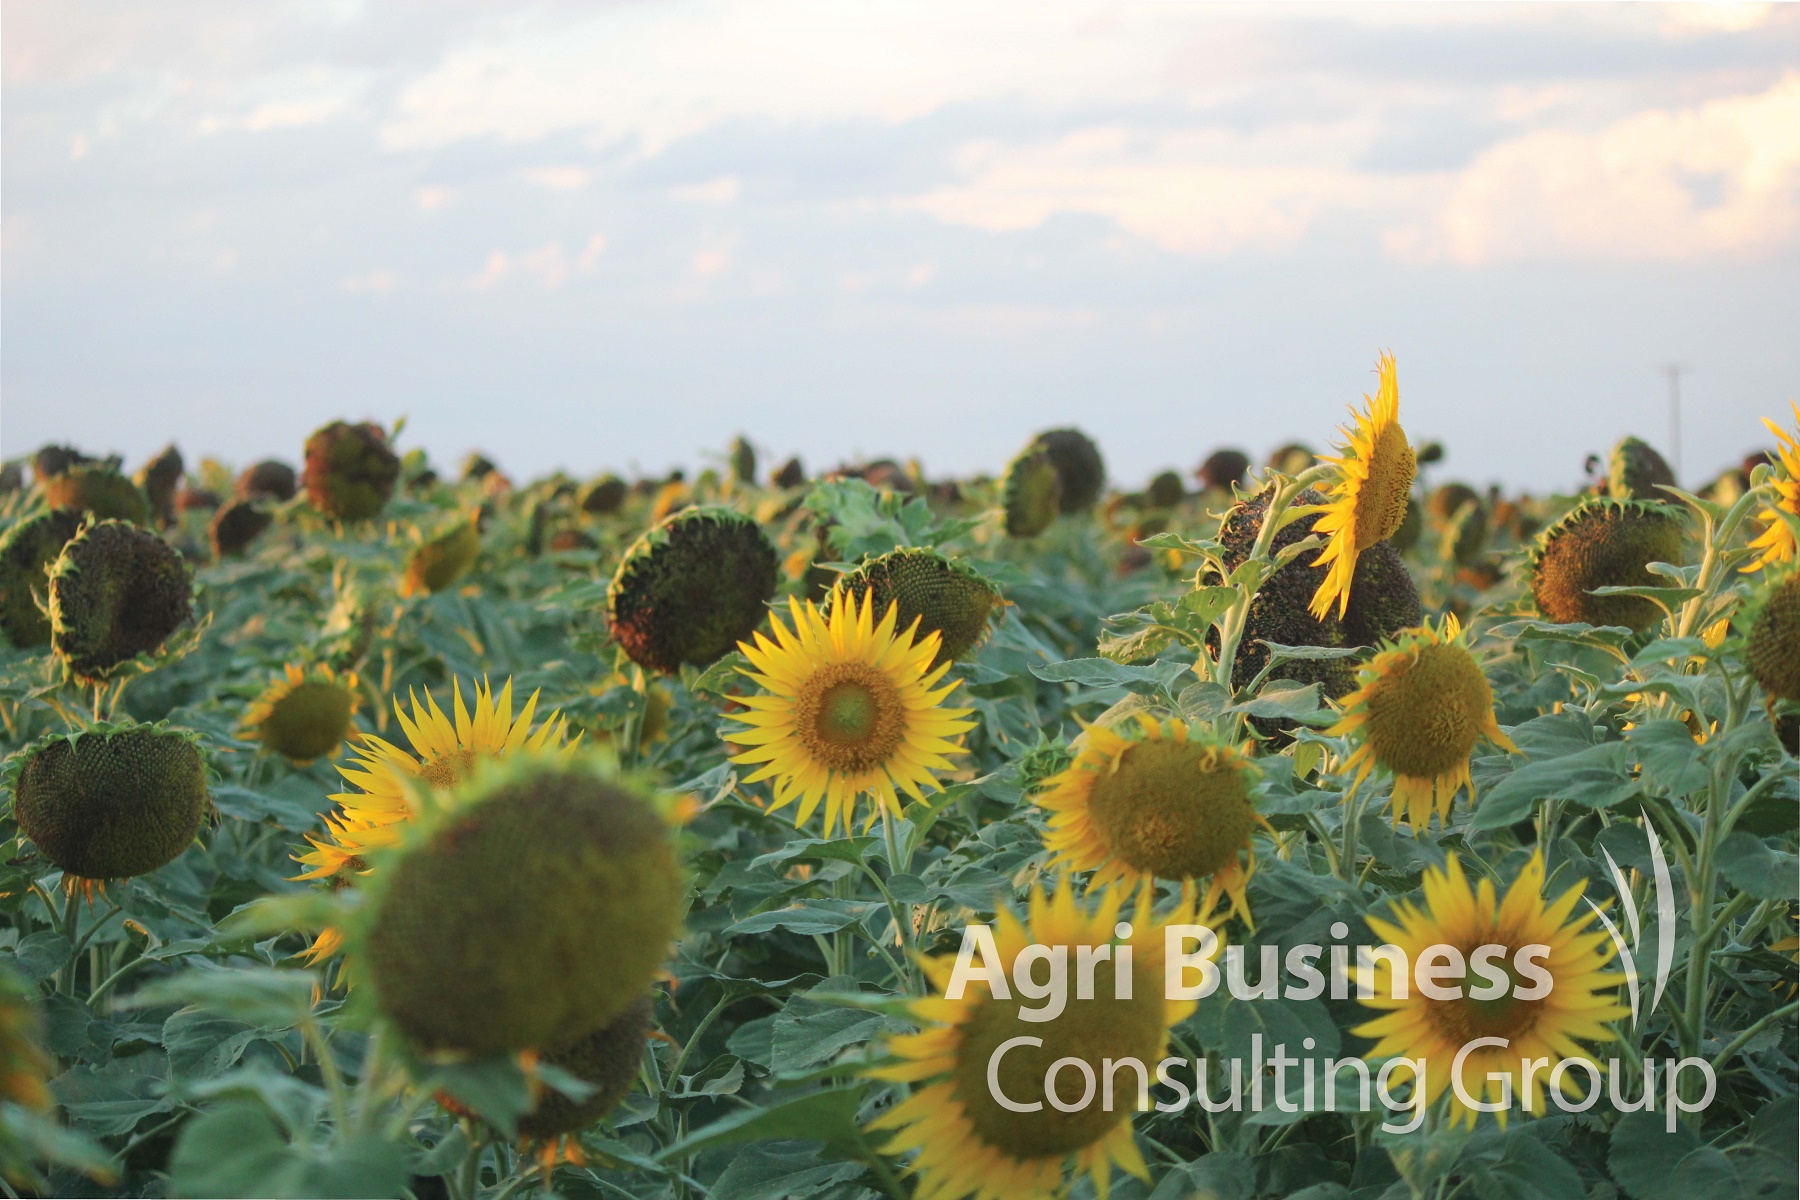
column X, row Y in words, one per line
column 694, row 1037
column 1743, row 1039
column 1345, row 865
column 328, row 1070
column 71, row 921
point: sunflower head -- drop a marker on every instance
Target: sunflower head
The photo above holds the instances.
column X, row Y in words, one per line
column 606, row 1059
column 1079, row 467
column 116, row 591
column 1776, row 541
column 526, row 912
column 268, row 480
column 1383, row 598
column 967, row 1144
column 1168, row 802
column 440, row 562
column 1459, row 511
column 100, row 490
column 1031, row 493
column 1603, row 543
column 942, row 595
column 1634, row 471
column 237, row 523
column 852, row 707
column 1581, row 998
column 1773, row 646
column 691, row 588
column 26, row 552
column 1412, row 526
column 51, row 461
column 159, row 480
column 604, row 495
column 742, row 456
column 1224, row 470
column 1368, row 501
column 1166, row 490
column 1422, row 704
column 446, row 750
column 350, row 470
column 305, row 714
column 112, row 802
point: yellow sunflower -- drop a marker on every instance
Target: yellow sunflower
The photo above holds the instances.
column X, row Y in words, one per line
column 1776, row 541
column 967, row 1144
column 1420, row 707
column 852, row 708
column 1368, row 502
column 444, row 754
column 1172, row 803
column 305, row 714
column 1579, row 996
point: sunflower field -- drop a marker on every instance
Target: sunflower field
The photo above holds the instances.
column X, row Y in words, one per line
column 381, row 829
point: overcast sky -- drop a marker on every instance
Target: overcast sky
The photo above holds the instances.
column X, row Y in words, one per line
column 605, row 235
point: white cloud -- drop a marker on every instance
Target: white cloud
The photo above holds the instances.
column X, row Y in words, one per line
column 430, row 199
column 379, row 282
column 590, row 253
column 726, row 189
column 547, row 264
column 558, row 179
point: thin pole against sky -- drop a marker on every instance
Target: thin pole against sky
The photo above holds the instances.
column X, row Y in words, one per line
column 1675, row 371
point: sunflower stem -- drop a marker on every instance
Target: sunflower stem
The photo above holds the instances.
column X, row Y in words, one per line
column 1345, row 867
column 71, row 922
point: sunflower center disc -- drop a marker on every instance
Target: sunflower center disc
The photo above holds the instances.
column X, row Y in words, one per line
column 850, row 717
column 1090, row 1030
column 450, row 770
column 1381, row 501
column 1466, row 1019
column 1425, row 715
column 1164, row 810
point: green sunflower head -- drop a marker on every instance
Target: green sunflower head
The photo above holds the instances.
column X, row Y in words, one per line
column 1031, row 493
column 99, row 490
column 116, row 591
column 692, row 588
column 943, row 595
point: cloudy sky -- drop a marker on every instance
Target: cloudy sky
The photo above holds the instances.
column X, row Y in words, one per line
column 589, row 235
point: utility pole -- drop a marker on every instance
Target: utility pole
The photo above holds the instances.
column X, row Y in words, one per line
column 1675, row 371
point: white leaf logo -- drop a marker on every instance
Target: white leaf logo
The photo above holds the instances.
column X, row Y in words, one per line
column 1665, row 924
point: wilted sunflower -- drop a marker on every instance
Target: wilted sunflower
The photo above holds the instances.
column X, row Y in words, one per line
column 115, row 592
column 1170, row 804
column 1604, row 543
column 1580, row 1000
column 305, row 714
column 1375, row 478
column 1421, row 705
column 967, row 1144
column 853, row 708
column 1776, row 541
column 444, row 754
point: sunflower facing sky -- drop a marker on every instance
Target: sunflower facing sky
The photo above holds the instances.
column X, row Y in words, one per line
column 1581, row 999
column 1171, row 803
column 1421, row 705
column 1368, row 501
column 305, row 714
column 852, row 708
column 1776, row 541
column 967, row 1144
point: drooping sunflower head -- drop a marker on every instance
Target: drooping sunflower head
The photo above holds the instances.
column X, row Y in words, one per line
column 1031, row 493
column 1634, row 470
column 446, row 751
column 1166, row 490
column 237, row 523
column 1224, row 470
column 527, row 911
column 743, row 459
column 159, row 479
column 1166, row 802
column 1545, row 989
column 691, row 588
column 1773, row 646
column 1776, row 541
column 1079, row 467
column 1604, row 543
column 26, row 552
column 942, row 595
column 113, row 802
column 967, row 1143
column 1368, row 501
column 851, row 707
column 100, row 490
column 116, row 591
column 606, row 494
column 1383, row 598
column 350, row 470
column 1461, row 516
column 1422, row 704
column 606, row 1059
column 269, row 479
column 304, row 715
column 440, row 562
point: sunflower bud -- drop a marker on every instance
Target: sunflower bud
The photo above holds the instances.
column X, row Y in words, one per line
column 350, row 471
column 691, row 588
column 116, row 592
column 114, row 802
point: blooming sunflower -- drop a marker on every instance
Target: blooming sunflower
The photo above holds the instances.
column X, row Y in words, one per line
column 1421, row 704
column 305, row 714
column 1581, row 997
column 853, row 708
column 444, row 754
column 970, row 1146
column 1368, row 502
column 1170, row 804
column 1776, row 541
